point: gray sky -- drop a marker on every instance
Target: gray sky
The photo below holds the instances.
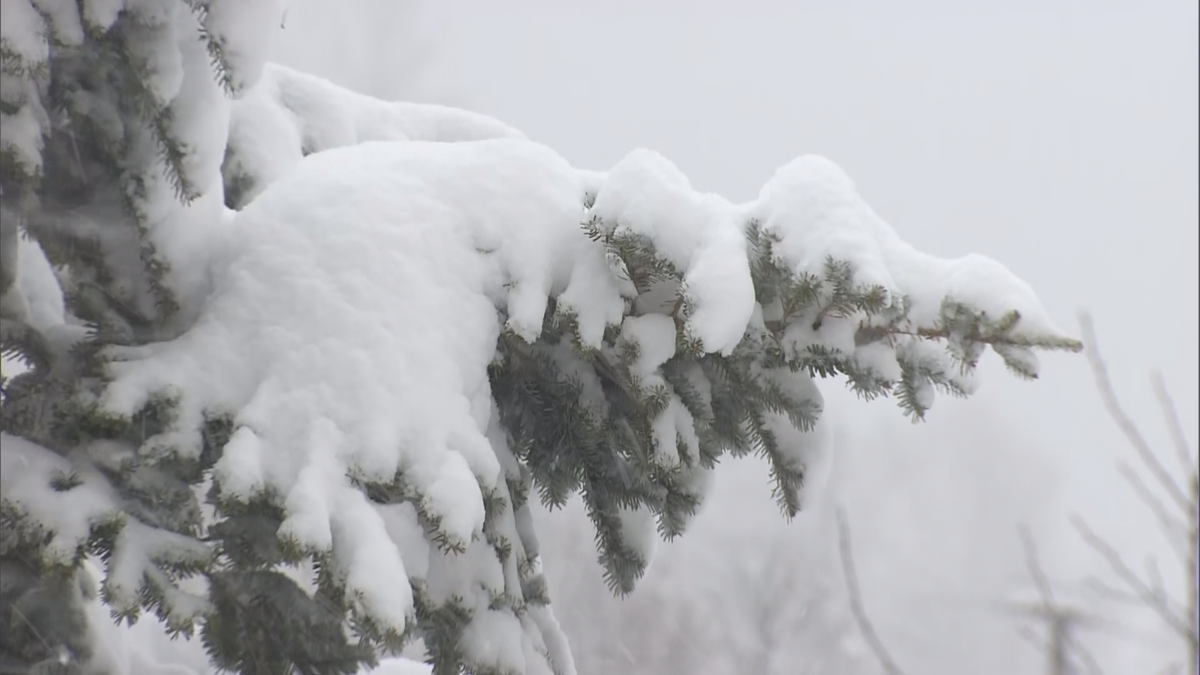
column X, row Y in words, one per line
column 1057, row 137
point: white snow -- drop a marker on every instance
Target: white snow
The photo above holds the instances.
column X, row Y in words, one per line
column 639, row 532
column 814, row 209
column 154, row 48
column 359, row 301
column 65, row 22
column 26, row 471
column 23, row 32
column 367, row 554
column 701, row 234
column 21, row 136
column 36, row 297
column 101, row 14
column 245, row 29
column 288, row 114
column 339, row 382
column 654, row 335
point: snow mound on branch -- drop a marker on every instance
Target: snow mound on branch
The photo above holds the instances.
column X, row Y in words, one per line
column 26, row 472
column 351, row 329
column 646, row 195
column 815, row 210
column 289, row 114
column 351, row 336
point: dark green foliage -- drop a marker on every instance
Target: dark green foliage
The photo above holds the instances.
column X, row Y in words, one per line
column 444, row 624
column 264, row 624
column 607, row 453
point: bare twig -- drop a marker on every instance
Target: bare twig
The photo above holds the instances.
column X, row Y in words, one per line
column 1109, row 593
column 1186, row 458
column 1154, row 578
column 1035, row 567
column 1145, row 593
column 1127, row 426
column 1171, row 525
column 856, row 605
column 1061, row 618
column 1089, row 661
column 1030, row 636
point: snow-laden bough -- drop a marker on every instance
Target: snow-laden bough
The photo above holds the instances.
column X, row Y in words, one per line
column 383, row 305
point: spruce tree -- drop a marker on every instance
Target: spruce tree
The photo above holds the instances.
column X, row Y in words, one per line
column 299, row 407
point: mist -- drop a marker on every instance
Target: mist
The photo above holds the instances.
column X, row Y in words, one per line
column 1060, row 138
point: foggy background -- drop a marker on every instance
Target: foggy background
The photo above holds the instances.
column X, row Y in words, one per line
column 1057, row 137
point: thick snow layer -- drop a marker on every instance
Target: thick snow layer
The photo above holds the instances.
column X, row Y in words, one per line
column 245, row 29
column 21, row 136
column 358, row 306
column 26, row 472
column 815, row 210
column 23, row 33
column 101, row 14
column 310, row 337
column 646, row 195
column 289, row 114
column 65, row 22
column 36, row 298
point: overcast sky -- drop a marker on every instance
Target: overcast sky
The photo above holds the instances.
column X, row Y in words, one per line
column 1057, row 137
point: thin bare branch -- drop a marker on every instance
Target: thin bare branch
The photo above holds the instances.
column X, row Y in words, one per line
column 1186, row 458
column 1035, row 567
column 1109, row 593
column 1127, row 426
column 856, row 605
column 1173, row 530
column 1030, row 636
column 1154, row 578
column 1089, row 661
column 1146, row 594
